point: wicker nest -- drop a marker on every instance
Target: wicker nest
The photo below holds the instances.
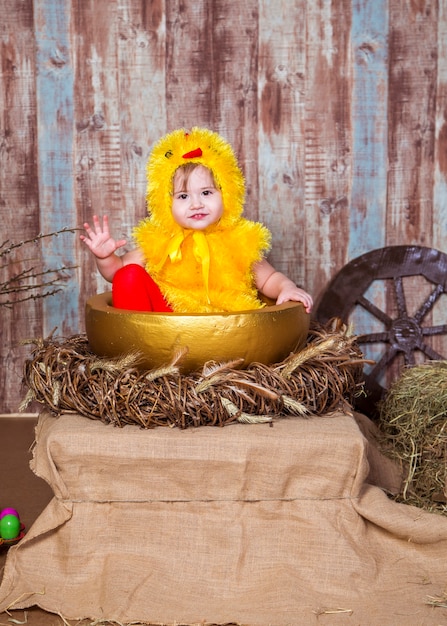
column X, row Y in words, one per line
column 66, row 376
column 413, row 423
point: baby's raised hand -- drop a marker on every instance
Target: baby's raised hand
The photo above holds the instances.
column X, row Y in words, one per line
column 98, row 238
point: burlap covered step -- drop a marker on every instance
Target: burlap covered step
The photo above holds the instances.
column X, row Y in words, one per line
column 252, row 524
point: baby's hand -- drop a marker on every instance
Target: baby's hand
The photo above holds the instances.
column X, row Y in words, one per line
column 99, row 240
column 295, row 294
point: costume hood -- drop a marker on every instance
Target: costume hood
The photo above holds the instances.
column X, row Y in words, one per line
column 198, row 145
column 200, row 271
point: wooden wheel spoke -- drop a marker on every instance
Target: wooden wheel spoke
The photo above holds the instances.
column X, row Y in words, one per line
column 380, row 366
column 434, row 330
column 373, row 338
column 400, row 297
column 428, row 351
column 409, row 356
column 374, row 310
column 429, row 302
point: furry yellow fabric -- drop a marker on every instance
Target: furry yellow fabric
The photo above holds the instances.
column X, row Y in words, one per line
column 178, row 259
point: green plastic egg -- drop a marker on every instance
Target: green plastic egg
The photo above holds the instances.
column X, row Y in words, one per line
column 9, row 527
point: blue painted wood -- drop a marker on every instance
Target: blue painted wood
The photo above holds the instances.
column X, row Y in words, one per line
column 369, row 118
column 369, row 156
column 55, row 88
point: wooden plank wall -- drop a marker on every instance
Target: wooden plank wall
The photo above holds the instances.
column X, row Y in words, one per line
column 336, row 108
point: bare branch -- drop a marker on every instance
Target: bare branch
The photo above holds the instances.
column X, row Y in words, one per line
column 34, row 282
column 7, row 249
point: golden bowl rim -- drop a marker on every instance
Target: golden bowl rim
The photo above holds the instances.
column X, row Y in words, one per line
column 102, row 301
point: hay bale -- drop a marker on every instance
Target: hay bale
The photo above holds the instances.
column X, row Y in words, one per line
column 413, row 422
column 324, row 376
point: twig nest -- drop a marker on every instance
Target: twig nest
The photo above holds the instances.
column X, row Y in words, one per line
column 323, row 377
column 265, row 335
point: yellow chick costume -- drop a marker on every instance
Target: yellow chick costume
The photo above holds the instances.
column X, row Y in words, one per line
column 200, row 271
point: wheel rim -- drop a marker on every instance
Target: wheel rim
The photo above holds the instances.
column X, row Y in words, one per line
column 404, row 333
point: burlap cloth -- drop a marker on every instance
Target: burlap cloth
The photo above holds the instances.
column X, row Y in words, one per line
column 259, row 525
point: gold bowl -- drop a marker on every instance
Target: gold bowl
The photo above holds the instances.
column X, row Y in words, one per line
column 265, row 335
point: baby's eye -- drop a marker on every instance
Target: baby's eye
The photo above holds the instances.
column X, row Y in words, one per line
column 182, row 196
column 207, row 192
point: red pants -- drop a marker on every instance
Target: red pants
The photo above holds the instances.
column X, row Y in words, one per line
column 134, row 289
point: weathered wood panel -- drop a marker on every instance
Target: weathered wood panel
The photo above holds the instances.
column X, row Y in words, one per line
column 439, row 217
column 369, row 147
column 328, row 135
column 281, row 155
column 54, row 125
column 412, row 105
column 141, row 45
column 336, row 110
column 19, row 202
column 97, row 135
column 439, row 236
column 370, row 126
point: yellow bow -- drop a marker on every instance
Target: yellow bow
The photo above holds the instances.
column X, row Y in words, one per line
column 200, row 249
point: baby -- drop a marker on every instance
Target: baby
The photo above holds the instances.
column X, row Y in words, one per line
column 195, row 252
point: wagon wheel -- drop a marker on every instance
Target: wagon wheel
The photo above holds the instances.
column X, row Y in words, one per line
column 403, row 334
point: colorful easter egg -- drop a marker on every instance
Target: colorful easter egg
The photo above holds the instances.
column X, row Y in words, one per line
column 9, row 527
column 9, row 511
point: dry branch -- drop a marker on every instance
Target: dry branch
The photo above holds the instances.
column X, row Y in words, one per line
column 28, row 283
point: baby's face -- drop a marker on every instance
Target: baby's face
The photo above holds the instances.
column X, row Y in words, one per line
column 200, row 204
